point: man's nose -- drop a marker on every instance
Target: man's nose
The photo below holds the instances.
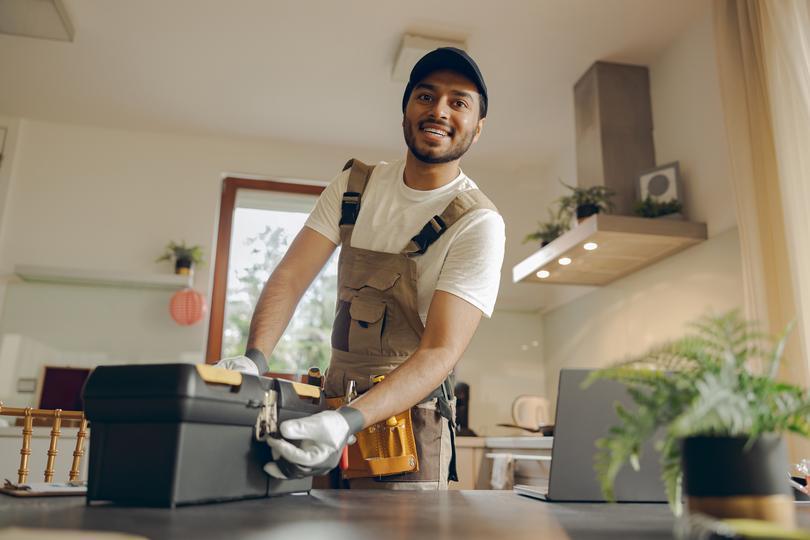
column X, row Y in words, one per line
column 441, row 108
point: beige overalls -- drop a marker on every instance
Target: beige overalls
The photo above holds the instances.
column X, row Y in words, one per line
column 377, row 327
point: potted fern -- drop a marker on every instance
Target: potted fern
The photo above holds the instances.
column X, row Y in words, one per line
column 653, row 208
column 714, row 395
column 548, row 231
column 184, row 257
column 585, row 202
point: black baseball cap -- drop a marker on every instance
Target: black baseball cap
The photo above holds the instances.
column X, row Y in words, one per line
column 447, row 58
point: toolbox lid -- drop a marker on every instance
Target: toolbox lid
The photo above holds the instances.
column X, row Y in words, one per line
column 189, row 393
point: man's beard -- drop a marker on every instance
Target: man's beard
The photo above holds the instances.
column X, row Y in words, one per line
column 453, row 153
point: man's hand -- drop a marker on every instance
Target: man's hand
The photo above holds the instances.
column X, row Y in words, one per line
column 252, row 362
column 322, row 437
column 238, row 363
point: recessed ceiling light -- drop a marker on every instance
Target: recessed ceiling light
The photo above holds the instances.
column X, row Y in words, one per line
column 564, row 261
column 590, row 246
column 543, row 274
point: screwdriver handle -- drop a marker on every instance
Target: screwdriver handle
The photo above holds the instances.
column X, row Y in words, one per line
column 344, row 459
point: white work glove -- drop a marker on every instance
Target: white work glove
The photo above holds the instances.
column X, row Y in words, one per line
column 322, row 437
column 248, row 363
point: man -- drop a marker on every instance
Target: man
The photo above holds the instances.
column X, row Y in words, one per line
column 420, row 263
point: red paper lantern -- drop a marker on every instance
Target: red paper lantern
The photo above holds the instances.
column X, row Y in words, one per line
column 187, row 307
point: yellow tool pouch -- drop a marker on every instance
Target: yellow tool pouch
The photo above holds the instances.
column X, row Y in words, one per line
column 382, row 449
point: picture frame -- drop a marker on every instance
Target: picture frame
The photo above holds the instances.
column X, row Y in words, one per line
column 662, row 183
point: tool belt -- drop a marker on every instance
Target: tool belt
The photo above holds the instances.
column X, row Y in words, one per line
column 389, row 447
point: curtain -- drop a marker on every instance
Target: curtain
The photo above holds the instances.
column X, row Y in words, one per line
column 786, row 38
column 763, row 58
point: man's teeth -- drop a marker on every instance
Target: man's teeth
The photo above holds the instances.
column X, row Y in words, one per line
column 436, row 131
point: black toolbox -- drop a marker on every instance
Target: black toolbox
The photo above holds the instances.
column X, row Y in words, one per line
column 169, row 434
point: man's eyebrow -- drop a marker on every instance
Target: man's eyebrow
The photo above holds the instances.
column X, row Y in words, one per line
column 462, row 94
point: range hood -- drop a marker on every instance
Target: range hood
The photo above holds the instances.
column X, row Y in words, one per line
column 614, row 143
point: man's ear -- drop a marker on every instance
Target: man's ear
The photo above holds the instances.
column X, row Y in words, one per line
column 478, row 128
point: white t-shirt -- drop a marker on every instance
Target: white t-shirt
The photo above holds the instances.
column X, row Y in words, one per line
column 465, row 261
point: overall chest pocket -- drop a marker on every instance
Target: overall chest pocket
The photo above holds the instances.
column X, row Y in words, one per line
column 363, row 310
column 367, row 321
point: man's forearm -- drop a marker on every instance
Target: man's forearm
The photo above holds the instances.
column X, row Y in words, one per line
column 451, row 323
column 287, row 284
column 407, row 385
column 273, row 312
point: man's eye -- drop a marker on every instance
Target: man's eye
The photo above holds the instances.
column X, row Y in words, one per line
column 424, row 97
column 461, row 103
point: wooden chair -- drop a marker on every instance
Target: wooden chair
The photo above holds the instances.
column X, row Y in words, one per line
column 57, row 415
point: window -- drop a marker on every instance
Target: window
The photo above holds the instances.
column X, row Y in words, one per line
column 258, row 222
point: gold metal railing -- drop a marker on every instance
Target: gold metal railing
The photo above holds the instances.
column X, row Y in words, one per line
column 57, row 415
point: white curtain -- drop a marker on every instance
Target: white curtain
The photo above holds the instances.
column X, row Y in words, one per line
column 763, row 56
column 767, row 282
column 786, row 38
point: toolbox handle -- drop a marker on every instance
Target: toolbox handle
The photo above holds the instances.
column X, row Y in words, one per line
column 306, row 390
column 215, row 375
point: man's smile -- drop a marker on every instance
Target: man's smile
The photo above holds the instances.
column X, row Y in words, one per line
column 435, row 131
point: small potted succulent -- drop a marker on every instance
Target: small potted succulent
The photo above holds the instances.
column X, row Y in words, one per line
column 184, row 257
column 585, row 202
column 714, row 396
column 653, row 208
column 548, row 230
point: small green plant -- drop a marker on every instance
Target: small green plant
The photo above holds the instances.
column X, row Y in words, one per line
column 180, row 252
column 548, row 230
column 651, row 208
column 596, row 197
column 718, row 381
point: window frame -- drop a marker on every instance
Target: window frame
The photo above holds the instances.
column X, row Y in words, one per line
column 227, row 207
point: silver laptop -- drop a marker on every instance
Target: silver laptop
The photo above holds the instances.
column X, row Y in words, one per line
column 583, row 416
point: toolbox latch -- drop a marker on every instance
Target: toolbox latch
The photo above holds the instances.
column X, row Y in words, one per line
column 267, row 420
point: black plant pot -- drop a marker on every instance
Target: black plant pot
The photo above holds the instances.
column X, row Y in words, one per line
column 725, row 480
column 184, row 267
column 586, row 210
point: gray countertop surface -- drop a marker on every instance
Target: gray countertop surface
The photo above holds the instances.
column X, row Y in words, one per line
column 354, row 515
column 357, row 515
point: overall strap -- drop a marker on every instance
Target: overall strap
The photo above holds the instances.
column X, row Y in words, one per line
column 466, row 201
column 350, row 206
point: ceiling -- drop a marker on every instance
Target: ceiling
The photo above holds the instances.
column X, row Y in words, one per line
column 320, row 70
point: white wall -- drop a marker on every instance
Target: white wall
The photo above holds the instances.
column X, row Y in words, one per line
column 87, row 197
column 503, row 361
column 643, row 309
column 653, row 305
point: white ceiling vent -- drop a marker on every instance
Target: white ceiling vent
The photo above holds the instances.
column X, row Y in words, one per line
column 45, row 19
column 412, row 49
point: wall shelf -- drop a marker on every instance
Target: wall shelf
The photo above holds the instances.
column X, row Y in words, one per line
column 102, row 278
column 626, row 244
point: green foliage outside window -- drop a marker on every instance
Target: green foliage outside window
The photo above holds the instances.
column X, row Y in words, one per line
column 306, row 342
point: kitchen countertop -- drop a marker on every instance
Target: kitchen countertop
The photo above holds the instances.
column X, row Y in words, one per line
column 354, row 515
column 511, row 443
column 358, row 515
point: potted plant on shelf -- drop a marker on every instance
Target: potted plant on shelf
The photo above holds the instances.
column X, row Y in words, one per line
column 653, row 208
column 714, row 395
column 585, row 202
column 548, row 230
column 185, row 257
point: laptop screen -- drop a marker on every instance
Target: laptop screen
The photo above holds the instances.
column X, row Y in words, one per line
column 583, row 416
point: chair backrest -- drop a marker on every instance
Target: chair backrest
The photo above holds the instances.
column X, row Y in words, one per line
column 55, row 416
column 531, row 412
